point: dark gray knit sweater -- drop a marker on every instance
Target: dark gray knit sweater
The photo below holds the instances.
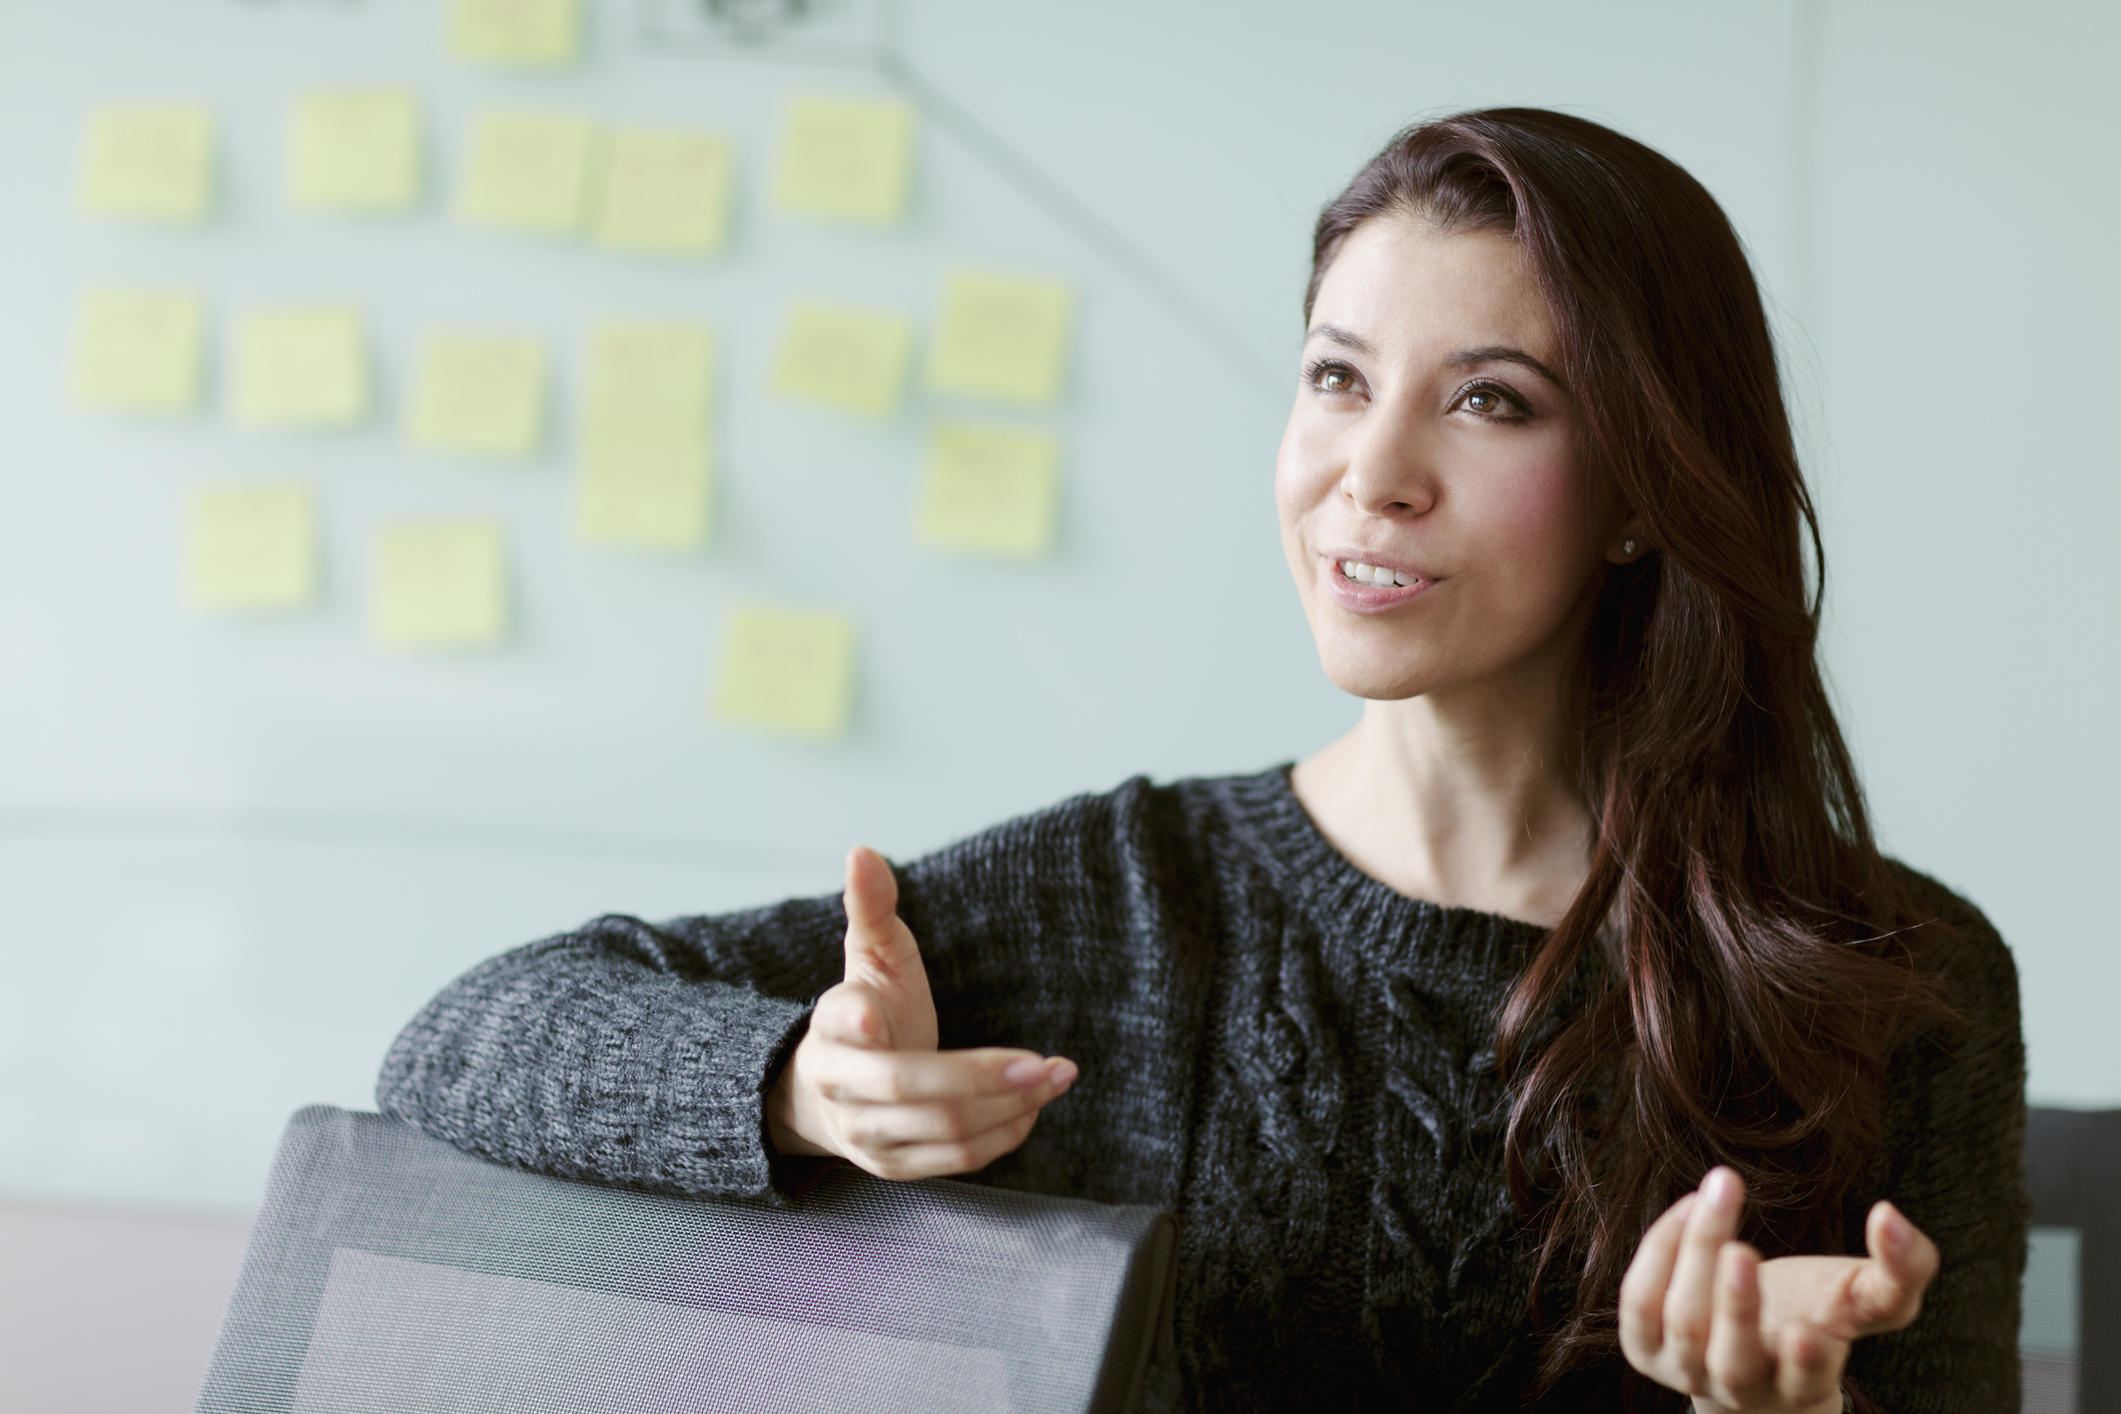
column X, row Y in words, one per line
column 1290, row 1056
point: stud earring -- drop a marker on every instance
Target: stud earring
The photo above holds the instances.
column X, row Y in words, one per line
column 1627, row 547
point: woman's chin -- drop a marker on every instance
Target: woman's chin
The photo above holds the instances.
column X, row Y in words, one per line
column 1374, row 681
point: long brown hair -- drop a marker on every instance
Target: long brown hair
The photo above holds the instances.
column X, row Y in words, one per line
column 1725, row 985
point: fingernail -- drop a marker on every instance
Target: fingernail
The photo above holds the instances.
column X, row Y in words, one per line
column 1720, row 1187
column 1895, row 1230
column 1028, row 1071
column 1062, row 1071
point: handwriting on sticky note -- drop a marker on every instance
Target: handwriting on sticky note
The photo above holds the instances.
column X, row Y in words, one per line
column 649, row 382
column 138, row 350
column 303, row 367
column 355, row 151
column 531, row 33
column 990, row 490
column 645, row 476
column 152, row 162
column 850, row 359
column 665, row 192
column 527, row 171
column 479, row 395
column 1002, row 338
column 439, row 585
column 251, row 548
column 787, row 670
column 846, row 159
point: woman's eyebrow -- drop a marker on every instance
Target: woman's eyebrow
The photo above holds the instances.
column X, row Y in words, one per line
column 1499, row 353
column 1346, row 338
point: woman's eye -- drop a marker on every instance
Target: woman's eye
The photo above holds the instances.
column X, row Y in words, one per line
column 1486, row 400
column 1333, row 378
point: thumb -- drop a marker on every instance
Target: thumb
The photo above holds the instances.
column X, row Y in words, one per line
column 882, row 956
column 878, row 944
column 1886, row 1293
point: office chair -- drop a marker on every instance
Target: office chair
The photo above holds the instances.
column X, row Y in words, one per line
column 2070, row 1337
column 390, row 1272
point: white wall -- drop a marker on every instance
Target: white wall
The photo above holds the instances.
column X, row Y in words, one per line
column 233, row 857
column 1967, row 217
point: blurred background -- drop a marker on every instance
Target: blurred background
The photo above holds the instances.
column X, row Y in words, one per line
column 239, row 849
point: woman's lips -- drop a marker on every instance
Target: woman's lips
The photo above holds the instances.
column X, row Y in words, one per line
column 1366, row 586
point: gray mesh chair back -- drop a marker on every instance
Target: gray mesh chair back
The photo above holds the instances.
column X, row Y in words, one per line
column 390, row 1272
column 2070, row 1340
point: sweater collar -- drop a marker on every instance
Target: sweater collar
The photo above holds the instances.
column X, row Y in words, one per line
column 1326, row 882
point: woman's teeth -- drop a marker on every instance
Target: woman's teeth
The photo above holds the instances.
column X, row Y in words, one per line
column 1376, row 575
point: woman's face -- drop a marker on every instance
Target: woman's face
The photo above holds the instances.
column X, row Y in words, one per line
column 1434, row 506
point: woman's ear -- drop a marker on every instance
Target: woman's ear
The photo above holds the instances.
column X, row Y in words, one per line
column 1629, row 543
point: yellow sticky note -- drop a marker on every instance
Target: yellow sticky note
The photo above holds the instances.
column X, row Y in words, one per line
column 846, row 159
column 1002, row 338
column 850, row 359
column 138, row 350
column 788, row 670
column 528, row 172
column 646, row 471
column 990, row 490
column 149, row 161
column 649, row 382
column 529, row 33
column 478, row 395
column 355, row 151
column 656, row 497
column 665, row 193
column 251, row 548
column 301, row 367
column 441, row 585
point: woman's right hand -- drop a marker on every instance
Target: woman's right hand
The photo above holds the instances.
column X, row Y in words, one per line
column 867, row 1084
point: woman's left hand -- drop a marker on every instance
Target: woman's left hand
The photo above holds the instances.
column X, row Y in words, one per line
column 1701, row 1313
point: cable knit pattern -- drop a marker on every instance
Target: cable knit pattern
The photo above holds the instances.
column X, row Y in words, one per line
column 1293, row 1058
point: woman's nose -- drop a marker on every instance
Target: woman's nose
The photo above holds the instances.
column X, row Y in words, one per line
column 1388, row 471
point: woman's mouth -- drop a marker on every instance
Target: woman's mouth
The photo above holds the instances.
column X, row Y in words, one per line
column 1363, row 586
column 1377, row 576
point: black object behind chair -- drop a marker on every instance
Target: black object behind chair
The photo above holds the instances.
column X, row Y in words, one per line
column 2074, row 1160
column 389, row 1272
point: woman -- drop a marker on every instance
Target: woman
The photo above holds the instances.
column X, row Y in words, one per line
column 1544, row 1042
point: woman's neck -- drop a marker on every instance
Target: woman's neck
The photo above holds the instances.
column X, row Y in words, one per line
column 1462, row 798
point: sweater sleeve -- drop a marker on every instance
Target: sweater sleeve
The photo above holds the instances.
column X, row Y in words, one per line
column 1954, row 1162
column 641, row 1054
column 623, row 1052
